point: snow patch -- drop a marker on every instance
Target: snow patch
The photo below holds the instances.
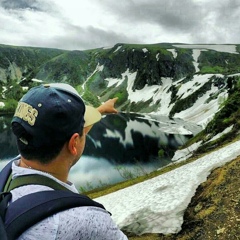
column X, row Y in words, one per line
column 99, row 68
column 107, row 47
column 158, row 204
column 183, row 154
column 227, row 130
column 173, row 51
column 192, row 86
column 196, row 54
column 117, row 48
column 220, row 48
column 2, row 104
column 145, row 50
column 142, row 95
column 37, row 80
column 113, row 81
column 202, row 111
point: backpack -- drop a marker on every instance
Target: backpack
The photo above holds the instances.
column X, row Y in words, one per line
column 17, row 217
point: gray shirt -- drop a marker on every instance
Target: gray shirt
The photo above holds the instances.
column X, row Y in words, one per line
column 86, row 223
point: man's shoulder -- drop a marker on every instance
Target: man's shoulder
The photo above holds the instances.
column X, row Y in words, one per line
column 90, row 221
column 55, row 207
column 76, row 223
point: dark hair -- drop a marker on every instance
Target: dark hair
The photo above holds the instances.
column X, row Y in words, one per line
column 43, row 154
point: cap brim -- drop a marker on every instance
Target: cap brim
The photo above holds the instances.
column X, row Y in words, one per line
column 92, row 115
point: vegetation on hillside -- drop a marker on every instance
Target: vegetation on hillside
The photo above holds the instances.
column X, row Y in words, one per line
column 26, row 56
column 218, row 62
column 71, row 67
column 227, row 117
column 150, row 62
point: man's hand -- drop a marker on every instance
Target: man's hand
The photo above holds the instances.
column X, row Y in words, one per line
column 108, row 106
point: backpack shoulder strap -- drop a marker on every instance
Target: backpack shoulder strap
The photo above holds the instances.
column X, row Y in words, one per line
column 30, row 209
column 4, row 199
column 8, row 184
column 35, row 179
column 4, row 175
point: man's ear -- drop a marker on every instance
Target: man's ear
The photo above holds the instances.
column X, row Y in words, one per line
column 72, row 144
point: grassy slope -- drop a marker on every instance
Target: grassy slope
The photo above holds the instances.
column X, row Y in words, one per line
column 214, row 212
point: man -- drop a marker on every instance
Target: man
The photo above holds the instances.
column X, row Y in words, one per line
column 50, row 124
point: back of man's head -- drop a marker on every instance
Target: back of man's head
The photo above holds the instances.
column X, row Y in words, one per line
column 47, row 116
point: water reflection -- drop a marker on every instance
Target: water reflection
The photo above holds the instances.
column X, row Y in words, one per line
column 7, row 140
column 128, row 140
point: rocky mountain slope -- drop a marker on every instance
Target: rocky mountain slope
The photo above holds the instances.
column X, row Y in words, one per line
column 124, row 70
column 191, row 82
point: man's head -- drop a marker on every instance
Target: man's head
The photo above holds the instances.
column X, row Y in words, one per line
column 47, row 116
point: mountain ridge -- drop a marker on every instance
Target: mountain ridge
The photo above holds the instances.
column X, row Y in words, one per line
column 185, row 81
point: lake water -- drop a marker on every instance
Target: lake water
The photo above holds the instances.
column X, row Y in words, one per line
column 117, row 147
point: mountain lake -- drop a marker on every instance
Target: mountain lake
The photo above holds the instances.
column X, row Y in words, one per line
column 119, row 146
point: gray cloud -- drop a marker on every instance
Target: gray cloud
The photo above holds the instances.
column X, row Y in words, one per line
column 20, row 7
column 202, row 21
column 219, row 23
column 173, row 14
column 85, row 38
column 46, row 23
column 20, row 4
column 35, row 5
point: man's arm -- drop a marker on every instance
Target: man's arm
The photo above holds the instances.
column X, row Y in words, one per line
column 106, row 108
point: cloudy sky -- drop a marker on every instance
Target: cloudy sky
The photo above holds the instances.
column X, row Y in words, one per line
column 86, row 24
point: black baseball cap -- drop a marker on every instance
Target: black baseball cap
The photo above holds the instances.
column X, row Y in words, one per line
column 53, row 112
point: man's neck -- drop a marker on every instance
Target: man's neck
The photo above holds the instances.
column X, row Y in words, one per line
column 53, row 168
